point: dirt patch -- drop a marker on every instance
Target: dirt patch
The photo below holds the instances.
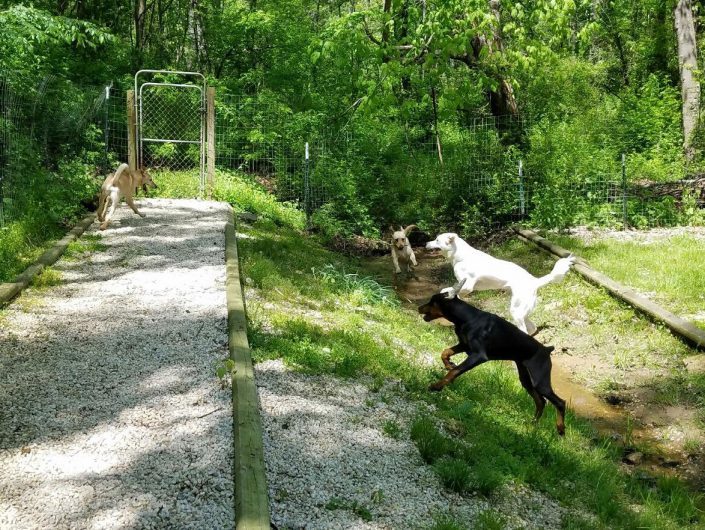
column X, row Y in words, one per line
column 588, row 235
column 668, row 437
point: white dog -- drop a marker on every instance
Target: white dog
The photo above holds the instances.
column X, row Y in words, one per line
column 483, row 272
column 122, row 183
column 401, row 250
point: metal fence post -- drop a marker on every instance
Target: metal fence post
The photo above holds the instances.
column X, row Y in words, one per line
column 210, row 139
column 624, row 191
column 522, row 203
column 4, row 148
column 106, row 127
column 307, row 191
column 131, row 131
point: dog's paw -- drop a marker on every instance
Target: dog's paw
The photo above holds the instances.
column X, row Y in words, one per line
column 143, row 214
column 436, row 387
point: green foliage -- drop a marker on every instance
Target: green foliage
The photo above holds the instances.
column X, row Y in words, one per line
column 455, row 474
column 47, row 278
column 364, row 288
column 22, row 241
column 37, row 42
column 225, row 367
column 480, row 436
column 335, row 503
column 392, row 429
column 491, row 520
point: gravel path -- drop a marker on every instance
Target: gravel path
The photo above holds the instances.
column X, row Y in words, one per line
column 330, row 464
column 110, row 412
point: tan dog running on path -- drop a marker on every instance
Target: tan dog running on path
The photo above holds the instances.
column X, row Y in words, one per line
column 402, row 251
column 122, row 183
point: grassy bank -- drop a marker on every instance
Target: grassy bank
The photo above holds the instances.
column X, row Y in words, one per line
column 322, row 313
column 307, row 306
column 23, row 241
column 666, row 268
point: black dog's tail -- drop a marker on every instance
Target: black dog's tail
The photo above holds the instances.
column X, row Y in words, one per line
column 539, row 366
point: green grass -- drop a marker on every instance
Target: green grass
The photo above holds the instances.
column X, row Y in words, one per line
column 318, row 327
column 481, row 435
column 233, row 187
column 86, row 244
column 49, row 277
column 668, row 271
column 23, row 241
column 351, row 505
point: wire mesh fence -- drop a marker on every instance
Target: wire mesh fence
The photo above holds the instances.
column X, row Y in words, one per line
column 44, row 127
column 483, row 174
column 171, row 126
column 256, row 140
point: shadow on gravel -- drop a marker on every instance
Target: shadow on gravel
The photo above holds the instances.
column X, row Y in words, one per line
column 111, row 414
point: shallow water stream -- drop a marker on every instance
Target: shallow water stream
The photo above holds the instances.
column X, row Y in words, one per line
column 644, row 451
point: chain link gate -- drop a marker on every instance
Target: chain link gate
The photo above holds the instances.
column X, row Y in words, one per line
column 171, row 124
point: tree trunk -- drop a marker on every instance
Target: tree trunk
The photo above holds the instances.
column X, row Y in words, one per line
column 687, row 63
column 140, row 17
column 502, row 100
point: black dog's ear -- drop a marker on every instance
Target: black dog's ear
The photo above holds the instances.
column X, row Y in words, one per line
column 548, row 349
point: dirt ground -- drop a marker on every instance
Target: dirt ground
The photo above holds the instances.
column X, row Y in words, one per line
column 652, row 434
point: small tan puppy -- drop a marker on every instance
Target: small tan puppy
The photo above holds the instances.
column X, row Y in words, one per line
column 122, row 183
column 402, row 251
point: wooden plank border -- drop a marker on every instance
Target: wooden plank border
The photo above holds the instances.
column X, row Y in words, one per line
column 11, row 289
column 251, row 495
column 681, row 327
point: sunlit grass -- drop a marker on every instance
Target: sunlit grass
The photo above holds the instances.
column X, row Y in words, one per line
column 669, row 271
column 481, row 436
column 86, row 244
column 233, row 187
column 22, row 242
column 49, row 277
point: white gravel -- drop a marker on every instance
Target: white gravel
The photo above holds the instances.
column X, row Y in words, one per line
column 111, row 415
column 330, row 464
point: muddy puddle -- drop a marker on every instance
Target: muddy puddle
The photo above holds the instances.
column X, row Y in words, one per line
column 645, row 452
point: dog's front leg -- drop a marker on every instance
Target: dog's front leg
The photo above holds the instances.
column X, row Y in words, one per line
column 448, row 353
column 473, row 360
column 131, row 204
column 395, row 261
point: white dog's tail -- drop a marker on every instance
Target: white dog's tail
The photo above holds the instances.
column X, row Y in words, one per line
column 122, row 167
column 560, row 269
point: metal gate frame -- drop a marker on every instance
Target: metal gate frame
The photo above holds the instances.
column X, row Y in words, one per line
column 201, row 87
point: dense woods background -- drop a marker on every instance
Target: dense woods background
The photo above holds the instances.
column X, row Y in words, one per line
column 427, row 106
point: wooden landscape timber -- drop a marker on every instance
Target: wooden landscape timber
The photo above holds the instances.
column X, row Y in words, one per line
column 11, row 289
column 251, row 495
column 681, row 327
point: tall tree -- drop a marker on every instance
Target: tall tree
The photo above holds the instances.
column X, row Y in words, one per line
column 688, row 63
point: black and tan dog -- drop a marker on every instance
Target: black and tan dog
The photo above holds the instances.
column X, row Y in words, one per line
column 487, row 337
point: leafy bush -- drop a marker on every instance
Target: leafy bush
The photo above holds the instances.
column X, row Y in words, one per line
column 369, row 290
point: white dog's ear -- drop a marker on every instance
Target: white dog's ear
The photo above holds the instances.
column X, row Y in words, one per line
column 452, row 292
column 448, row 292
column 451, row 239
